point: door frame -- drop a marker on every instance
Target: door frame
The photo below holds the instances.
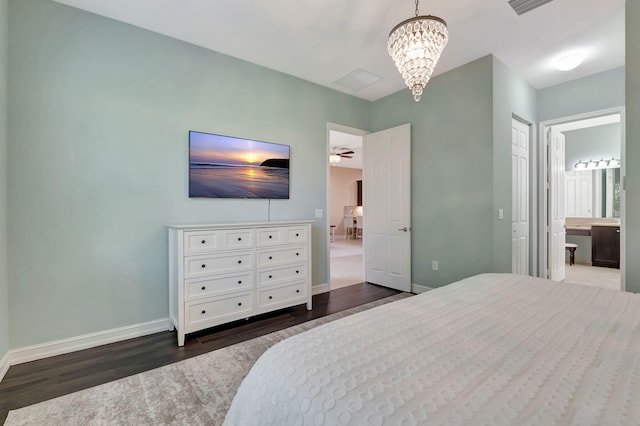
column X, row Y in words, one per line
column 543, row 205
column 327, row 203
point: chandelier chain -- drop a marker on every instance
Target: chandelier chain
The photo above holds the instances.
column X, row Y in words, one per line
column 417, row 13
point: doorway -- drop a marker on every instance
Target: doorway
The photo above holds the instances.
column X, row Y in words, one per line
column 345, row 210
column 583, row 206
column 386, row 210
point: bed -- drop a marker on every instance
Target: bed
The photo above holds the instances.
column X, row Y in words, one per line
column 497, row 349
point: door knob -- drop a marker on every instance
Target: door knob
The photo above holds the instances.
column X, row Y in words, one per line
column 405, row 229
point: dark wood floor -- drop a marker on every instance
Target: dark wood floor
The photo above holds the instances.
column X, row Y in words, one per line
column 37, row 381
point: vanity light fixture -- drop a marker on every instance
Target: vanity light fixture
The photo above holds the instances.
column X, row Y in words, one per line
column 593, row 165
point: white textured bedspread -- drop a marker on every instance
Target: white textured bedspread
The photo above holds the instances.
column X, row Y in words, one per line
column 495, row 349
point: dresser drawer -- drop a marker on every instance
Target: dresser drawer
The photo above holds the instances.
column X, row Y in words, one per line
column 281, row 235
column 196, row 266
column 197, row 242
column 218, row 311
column 296, row 234
column 287, row 295
column 281, row 275
column 198, row 288
column 279, row 256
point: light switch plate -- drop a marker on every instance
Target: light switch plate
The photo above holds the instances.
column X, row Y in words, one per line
column 318, row 213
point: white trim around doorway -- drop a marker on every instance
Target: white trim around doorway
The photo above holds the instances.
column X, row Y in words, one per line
column 543, row 268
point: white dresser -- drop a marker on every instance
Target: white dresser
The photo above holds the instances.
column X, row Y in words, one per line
column 222, row 273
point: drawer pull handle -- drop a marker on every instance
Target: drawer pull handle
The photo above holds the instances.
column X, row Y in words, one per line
column 270, row 276
column 239, row 261
column 204, row 312
column 204, row 288
column 297, row 235
column 297, row 291
column 239, row 238
column 204, row 266
column 297, row 272
column 239, row 281
column 270, row 236
column 297, row 254
column 270, row 257
column 239, row 303
column 203, row 241
column 270, row 297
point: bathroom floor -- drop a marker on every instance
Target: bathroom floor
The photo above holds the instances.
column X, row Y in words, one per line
column 593, row 275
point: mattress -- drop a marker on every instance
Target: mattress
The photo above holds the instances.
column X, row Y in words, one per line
column 496, row 349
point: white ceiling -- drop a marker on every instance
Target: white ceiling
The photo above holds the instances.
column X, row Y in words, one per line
column 325, row 40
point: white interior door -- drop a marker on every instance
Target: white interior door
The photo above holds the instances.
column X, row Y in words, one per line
column 387, row 201
column 519, row 198
column 556, row 204
column 578, row 194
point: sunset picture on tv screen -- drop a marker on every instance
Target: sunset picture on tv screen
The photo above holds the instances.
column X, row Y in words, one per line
column 228, row 167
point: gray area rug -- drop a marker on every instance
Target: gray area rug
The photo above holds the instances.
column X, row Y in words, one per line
column 197, row 391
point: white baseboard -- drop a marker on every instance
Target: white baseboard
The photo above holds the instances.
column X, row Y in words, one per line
column 59, row 347
column 417, row 288
column 319, row 288
column 4, row 365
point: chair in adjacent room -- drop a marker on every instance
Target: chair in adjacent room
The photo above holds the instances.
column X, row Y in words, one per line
column 349, row 230
column 358, row 229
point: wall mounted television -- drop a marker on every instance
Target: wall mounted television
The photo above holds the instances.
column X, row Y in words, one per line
column 229, row 167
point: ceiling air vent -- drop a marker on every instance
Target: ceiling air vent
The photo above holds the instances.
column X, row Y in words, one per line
column 524, row 6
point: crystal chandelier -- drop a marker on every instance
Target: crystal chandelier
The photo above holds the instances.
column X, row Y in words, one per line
column 415, row 46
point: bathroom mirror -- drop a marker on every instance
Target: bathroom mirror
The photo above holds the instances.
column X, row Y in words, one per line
column 593, row 193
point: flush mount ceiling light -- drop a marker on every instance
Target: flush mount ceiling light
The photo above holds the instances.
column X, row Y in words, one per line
column 569, row 62
column 415, row 46
column 334, row 158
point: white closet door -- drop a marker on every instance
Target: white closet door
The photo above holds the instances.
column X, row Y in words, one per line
column 519, row 198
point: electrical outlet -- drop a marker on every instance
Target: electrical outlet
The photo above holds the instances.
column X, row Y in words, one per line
column 318, row 213
column 434, row 265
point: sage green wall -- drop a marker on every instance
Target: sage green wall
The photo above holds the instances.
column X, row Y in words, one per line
column 592, row 143
column 4, row 283
column 512, row 97
column 451, row 171
column 632, row 153
column 99, row 113
column 593, row 93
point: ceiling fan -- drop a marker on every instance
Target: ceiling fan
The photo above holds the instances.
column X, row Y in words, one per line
column 337, row 153
column 342, row 152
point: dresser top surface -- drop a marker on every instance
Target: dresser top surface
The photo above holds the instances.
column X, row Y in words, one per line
column 240, row 225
